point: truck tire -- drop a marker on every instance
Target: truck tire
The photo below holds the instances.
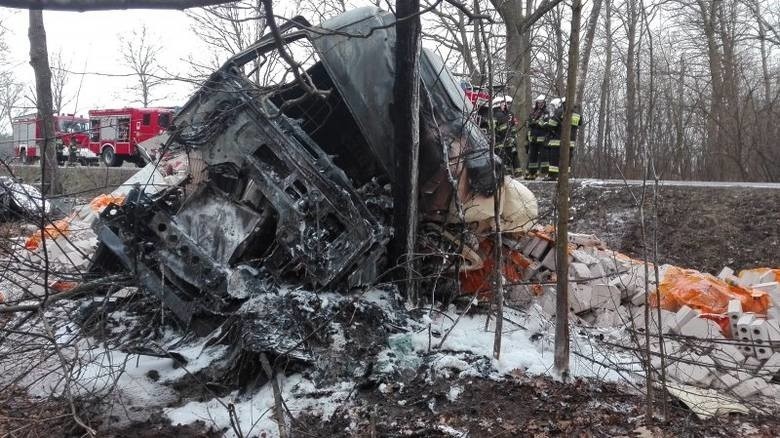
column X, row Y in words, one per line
column 110, row 158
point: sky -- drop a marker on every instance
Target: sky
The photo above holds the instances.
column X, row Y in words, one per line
column 90, row 42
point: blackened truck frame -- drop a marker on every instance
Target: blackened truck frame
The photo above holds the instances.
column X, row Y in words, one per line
column 271, row 195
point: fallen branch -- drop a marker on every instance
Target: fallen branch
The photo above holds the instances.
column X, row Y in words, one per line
column 78, row 290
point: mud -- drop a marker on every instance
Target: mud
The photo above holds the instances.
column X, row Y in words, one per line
column 704, row 228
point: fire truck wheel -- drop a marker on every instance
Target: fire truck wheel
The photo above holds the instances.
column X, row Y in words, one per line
column 110, row 158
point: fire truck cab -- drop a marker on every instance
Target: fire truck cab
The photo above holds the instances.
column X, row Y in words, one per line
column 116, row 133
column 28, row 132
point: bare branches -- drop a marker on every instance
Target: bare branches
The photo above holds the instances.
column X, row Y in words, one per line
column 140, row 52
column 105, row 5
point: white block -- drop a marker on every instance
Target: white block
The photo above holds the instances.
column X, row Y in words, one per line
column 585, row 239
column 580, row 270
column 667, row 321
column 638, row 298
column 725, row 273
column 582, row 256
column 773, row 289
column 727, row 380
column 749, row 278
column 734, row 309
column 772, row 366
column 768, row 277
column 539, row 249
column 749, row 388
column 531, row 245
column 727, row 355
column 773, row 313
column 751, row 363
column 701, row 328
column 693, row 370
column 580, row 297
column 682, row 317
column 762, row 333
column 605, row 296
column 743, row 333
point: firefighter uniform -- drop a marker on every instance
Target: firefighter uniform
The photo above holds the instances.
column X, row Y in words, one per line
column 553, row 146
column 537, row 137
column 72, row 152
column 503, row 126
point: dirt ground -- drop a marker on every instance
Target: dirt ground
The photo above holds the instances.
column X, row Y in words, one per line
column 518, row 406
column 704, row 228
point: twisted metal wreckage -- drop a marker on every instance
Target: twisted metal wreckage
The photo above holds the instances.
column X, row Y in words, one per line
column 272, row 172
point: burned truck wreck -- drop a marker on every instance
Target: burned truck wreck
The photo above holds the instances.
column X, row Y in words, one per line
column 286, row 185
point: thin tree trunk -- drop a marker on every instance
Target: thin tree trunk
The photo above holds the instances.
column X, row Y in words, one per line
column 562, row 236
column 39, row 60
column 631, row 87
column 406, row 92
column 601, row 148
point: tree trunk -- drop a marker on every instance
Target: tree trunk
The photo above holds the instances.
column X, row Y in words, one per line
column 631, row 87
column 406, row 103
column 601, row 155
column 39, row 60
column 562, row 235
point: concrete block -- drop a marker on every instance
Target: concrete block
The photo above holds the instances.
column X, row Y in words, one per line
column 749, row 388
column 727, row 380
column 762, row 333
column 580, row 297
column 771, row 367
column 531, row 245
column 682, row 317
column 549, row 260
column 771, row 391
column 582, row 256
column 768, row 277
column 725, row 273
column 727, row 355
column 598, row 271
column 580, row 271
column 749, row 278
column 667, row 321
column 701, row 328
column 743, row 333
column 751, row 363
column 540, row 249
column 530, row 272
column 638, row 298
column 607, row 318
column 693, row 370
column 605, row 296
column 585, row 240
column 772, row 288
column 773, row 313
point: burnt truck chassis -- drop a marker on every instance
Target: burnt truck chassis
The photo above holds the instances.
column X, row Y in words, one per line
column 266, row 181
column 270, row 204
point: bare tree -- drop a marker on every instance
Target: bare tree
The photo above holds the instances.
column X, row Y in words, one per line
column 140, row 52
column 39, row 59
column 60, row 76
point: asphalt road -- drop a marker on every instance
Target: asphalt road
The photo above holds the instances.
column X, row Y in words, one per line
column 632, row 182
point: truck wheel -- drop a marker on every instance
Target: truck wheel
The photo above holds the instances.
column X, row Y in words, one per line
column 110, row 159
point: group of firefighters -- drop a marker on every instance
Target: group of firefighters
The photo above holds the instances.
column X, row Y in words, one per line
column 73, row 148
column 543, row 139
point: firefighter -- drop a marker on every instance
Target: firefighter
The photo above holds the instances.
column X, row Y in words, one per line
column 60, row 152
column 503, row 122
column 553, row 124
column 537, row 136
column 72, row 151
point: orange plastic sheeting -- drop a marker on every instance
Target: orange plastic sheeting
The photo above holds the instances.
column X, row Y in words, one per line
column 52, row 231
column 478, row 281
column 761, row 271
column 98, row 204
column 63, row 285
column 705, row 293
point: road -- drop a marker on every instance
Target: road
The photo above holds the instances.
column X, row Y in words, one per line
column 632, row 182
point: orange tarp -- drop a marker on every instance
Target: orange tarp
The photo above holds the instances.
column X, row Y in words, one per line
column 478, row 281
column 52, row 231
column 705, row 293
column 101, row 202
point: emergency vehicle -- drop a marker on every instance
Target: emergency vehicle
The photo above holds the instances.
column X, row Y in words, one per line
column 28, row 132
column 116, row 133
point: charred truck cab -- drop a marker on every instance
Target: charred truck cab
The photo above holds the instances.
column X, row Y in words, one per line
column 290, row 186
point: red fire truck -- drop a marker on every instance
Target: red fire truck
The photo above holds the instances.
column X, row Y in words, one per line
column 28, row 132
column 115, row 133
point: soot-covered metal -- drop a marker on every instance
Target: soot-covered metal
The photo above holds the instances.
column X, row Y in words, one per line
column 283, row 185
